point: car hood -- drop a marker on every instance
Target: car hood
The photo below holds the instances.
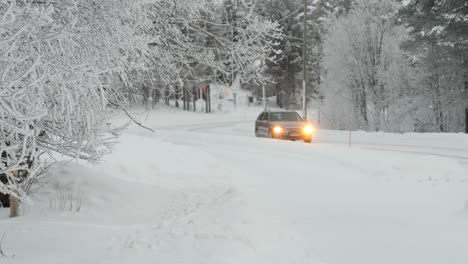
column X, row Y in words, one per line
column 289, row 123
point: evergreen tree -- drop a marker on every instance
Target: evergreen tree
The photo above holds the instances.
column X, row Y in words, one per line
column 439, row 46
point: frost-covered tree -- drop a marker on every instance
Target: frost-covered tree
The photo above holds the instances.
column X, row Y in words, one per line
column 53, row 56
column 64, row 63
column 285, row 83
column 194, row 41
column 287, row 73
column 319, row 14
column 21, row 105
column 365, row 66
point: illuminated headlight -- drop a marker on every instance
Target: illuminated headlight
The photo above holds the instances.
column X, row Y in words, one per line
column 277, row 129
column 308, row 129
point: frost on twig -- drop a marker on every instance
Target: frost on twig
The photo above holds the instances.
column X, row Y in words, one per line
column 136, row 122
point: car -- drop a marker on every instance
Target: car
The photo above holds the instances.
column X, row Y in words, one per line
column 283, row 124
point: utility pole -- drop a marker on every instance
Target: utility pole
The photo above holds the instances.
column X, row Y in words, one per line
column 304, row 62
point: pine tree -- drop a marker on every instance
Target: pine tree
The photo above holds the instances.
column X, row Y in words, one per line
column 439, row 45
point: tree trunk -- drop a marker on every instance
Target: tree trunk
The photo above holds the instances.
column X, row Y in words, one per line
column 209, row 97
column 375, row 122
column 187, row 100
column 466, row 120
column 194, row 96
column 166, row 95
column 184, row 97
column 177, row 96
column 155, row 97
column 14, row 206
column 438, row 111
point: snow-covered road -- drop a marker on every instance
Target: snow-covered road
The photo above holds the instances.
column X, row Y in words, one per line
column 203, row 189
column 350, row 205
column 409, row 143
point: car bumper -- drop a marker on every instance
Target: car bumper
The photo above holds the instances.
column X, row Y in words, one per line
column 294, row 136
column 292, row 133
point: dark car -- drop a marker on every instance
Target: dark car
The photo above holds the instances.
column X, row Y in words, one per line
column 284, row 125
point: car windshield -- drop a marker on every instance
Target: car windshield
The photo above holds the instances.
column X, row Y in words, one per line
column 285, row 116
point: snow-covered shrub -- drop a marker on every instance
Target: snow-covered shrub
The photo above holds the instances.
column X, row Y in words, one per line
column 52, row 55
column 67, row 198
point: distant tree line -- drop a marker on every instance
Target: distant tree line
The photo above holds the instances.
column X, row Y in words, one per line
column 397, row 66
column 377, row 65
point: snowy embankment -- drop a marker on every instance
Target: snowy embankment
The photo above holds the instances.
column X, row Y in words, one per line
column 203, row 189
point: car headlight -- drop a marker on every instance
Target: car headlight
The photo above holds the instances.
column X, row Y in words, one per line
column 308, row 129
column 277, row 129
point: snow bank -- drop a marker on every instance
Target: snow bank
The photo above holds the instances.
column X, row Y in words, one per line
column 204, row 189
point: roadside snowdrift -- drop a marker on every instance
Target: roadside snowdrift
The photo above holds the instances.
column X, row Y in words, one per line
column 203, row 189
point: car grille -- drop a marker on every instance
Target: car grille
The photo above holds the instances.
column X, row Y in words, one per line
column 293, row 130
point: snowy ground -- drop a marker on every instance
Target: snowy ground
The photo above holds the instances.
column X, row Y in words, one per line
column 203, row 189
